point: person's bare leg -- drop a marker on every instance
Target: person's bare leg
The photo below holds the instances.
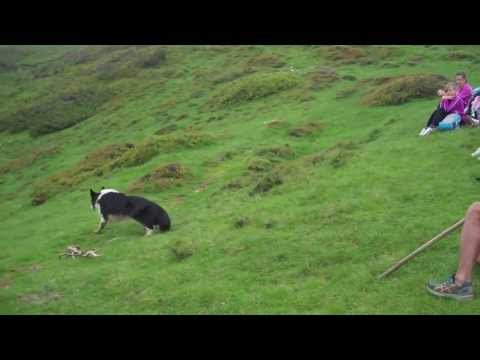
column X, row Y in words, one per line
column 469, row 244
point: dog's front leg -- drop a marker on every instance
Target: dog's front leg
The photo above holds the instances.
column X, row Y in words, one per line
column 148, row 231
column 101, row 226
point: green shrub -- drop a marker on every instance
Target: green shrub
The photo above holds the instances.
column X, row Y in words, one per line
column 28, row 159
column 181, row 249
column 385, row 52
column 253, row 87
column 275, row 152
column 161, row 178
column 346, row 54
column 166, row 129
column 398, row 90
column 267, row 182
column 241, row 222
column 460, row 55
column 188, row 139
column 323, row 78
column 349, row 78
column 346, row 92
column 103, row 157
column 265, row 60
column 39, row 198
column 96, row 163
column 46, row 70
column 57, row 112
column 83, row 55
column 337, row 155
column 228, row 76
column 139, row 154
column 259, row 165
column 113, row 71
column 237, row 184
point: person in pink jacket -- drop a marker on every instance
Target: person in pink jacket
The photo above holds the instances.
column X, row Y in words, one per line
column 451, row 102
column 464, row 90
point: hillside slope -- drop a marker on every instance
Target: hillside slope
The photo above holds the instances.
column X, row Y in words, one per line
column 293, row 176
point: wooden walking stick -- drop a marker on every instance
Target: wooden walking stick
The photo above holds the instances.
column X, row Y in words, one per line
column 421, row 248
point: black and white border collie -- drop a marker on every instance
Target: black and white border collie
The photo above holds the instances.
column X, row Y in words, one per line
column 113, row 205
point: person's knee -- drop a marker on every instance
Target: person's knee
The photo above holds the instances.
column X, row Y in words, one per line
column 474, row 209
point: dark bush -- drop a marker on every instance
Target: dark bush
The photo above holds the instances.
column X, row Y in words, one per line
column 323, row 78
column 460, row 55
column 47, row 70
column 265, row 60
column 349, row 77
column 337, row 155
column 305, row 129
column 39, row 198
column 346, row 54
column 166, row 129
column 181, row 249
column 57, row 112
column 241, row 222
column 275, row 152
column 151, row 58
column 266, row 183
column 259, row 165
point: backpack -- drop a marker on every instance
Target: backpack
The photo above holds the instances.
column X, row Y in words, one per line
column 473, row 108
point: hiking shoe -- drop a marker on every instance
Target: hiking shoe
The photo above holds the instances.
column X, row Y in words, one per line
column 449, row 289
column 427, row 131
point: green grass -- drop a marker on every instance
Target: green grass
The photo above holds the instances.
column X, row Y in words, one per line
column 359, row 189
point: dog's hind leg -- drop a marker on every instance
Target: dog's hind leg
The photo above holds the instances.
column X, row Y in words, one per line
column 102, row 224
column 148, row 231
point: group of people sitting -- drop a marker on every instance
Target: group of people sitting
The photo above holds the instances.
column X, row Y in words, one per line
column 459, row 98
column 456, row 98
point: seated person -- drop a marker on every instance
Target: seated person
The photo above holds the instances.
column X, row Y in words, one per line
column 450, row 103
column 464, row 90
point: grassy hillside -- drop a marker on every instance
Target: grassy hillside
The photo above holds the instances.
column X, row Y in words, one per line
column 293, row 176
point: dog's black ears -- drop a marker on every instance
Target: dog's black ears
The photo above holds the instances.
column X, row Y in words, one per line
column 103, row 187
column 92, row 192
